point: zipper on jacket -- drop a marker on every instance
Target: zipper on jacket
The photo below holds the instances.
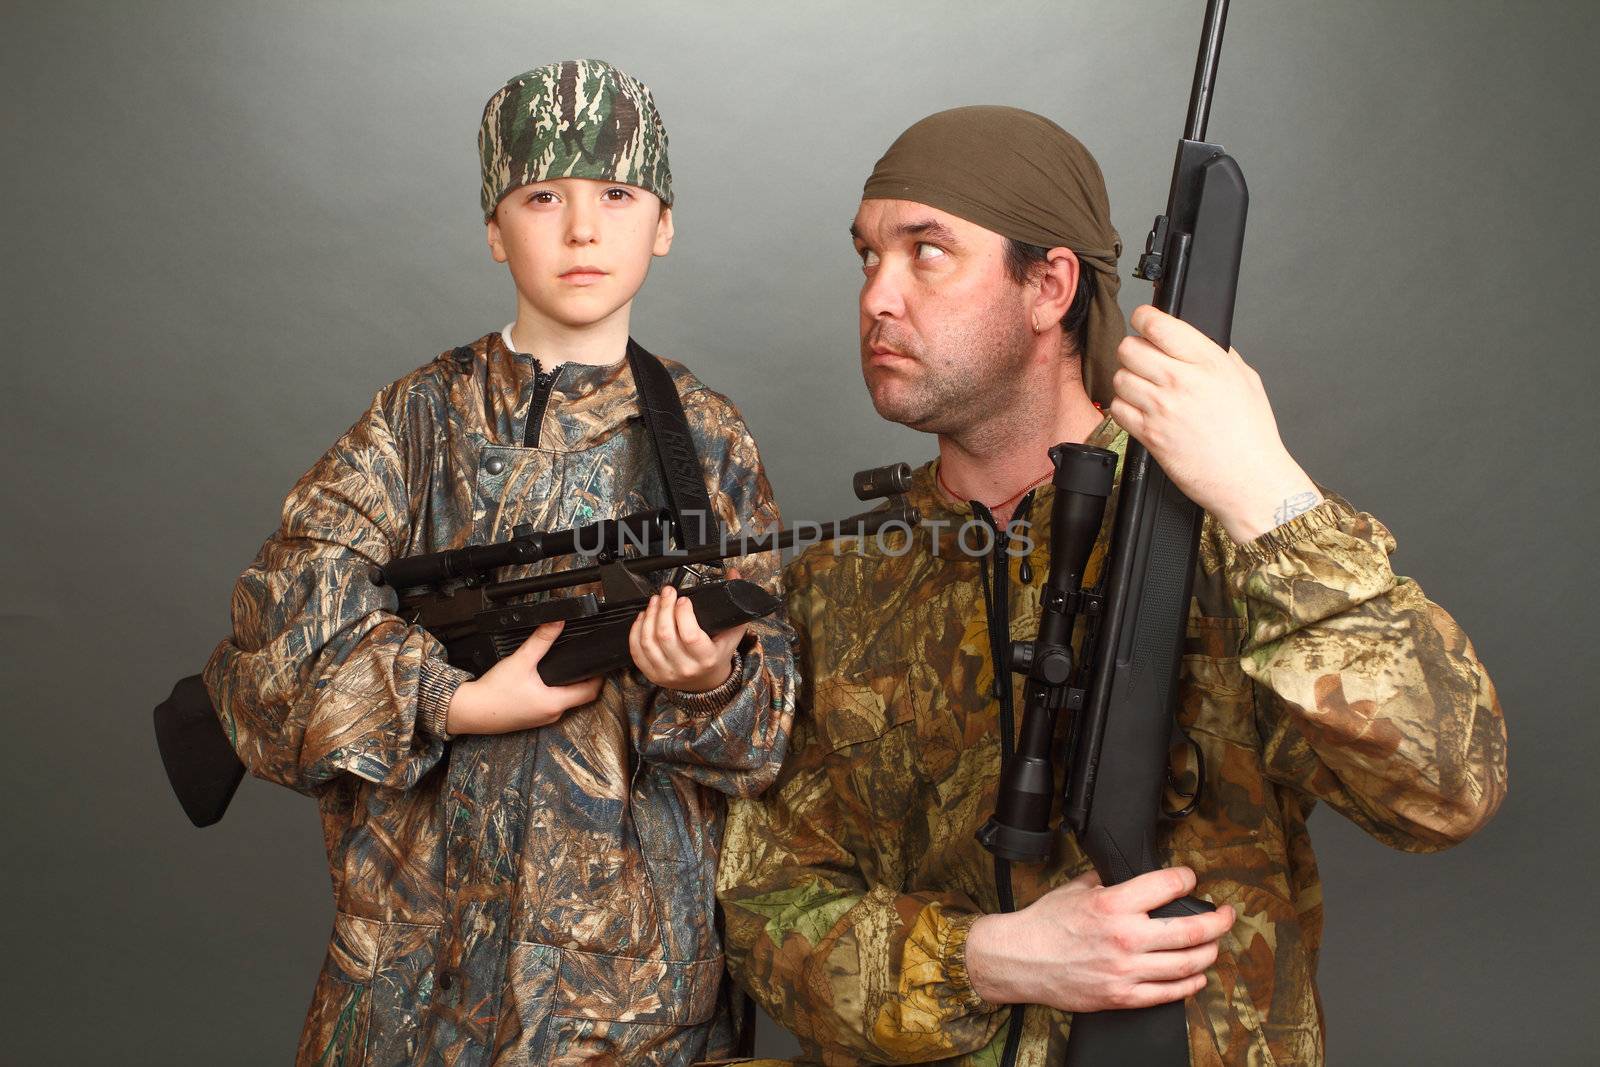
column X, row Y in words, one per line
column 543, row 382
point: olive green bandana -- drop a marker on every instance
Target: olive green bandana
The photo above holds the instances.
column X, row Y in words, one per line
column 1021, row 176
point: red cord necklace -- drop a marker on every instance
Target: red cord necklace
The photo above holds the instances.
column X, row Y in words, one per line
column 1013, row 498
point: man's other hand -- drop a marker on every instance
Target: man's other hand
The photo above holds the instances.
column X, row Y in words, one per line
column 1086, row 947
column 1204, row 416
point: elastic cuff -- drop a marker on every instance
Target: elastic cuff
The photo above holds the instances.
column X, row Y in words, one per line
column 712, row 699
column 1324, row 516
column 953, row 955
column 436, row 687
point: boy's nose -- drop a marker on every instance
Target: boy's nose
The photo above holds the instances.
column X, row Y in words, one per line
column 581, row 229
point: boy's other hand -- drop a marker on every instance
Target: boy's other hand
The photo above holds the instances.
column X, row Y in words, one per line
column 669, row 646
column 511, row 695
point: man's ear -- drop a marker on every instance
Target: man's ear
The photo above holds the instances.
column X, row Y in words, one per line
column 1058, row 284
column 497, row 248
column 664, row 233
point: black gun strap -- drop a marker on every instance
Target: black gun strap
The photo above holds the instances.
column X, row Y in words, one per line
column 696, row 524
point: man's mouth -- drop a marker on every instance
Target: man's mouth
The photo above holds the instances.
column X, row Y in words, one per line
column 884, row 354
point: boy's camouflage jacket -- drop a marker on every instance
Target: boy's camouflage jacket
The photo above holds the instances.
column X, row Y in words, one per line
column 544, row 895
column 1313, row 673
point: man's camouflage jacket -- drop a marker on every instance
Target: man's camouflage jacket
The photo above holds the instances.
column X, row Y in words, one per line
column 544, row 895
column 1312, row 673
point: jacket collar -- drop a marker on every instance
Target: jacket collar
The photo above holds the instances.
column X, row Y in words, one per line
column 930, row 498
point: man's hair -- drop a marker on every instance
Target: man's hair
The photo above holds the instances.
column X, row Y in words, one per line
column 1024, row 260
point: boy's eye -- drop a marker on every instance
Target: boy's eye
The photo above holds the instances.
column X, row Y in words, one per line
column 541, row 196
column 927, row 251
column 616, row 196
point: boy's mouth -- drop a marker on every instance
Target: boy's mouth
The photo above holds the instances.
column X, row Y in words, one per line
column 583, row 275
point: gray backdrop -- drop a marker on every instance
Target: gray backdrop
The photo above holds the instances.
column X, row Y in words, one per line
column 228, row 224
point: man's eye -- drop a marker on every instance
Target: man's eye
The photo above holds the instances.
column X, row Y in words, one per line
column 869, row 258
column 928, row 251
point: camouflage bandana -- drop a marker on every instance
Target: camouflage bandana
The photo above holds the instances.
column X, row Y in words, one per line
column 581, row 118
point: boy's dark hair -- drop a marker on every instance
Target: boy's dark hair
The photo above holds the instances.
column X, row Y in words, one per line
column 1022, row 260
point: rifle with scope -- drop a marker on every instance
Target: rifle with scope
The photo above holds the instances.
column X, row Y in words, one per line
column 480, row 621
column 448, row 593
column 1122, row 692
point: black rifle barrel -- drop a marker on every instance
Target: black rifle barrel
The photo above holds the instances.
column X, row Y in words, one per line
column 889, row 480
column 523, row 547
column 864, row 525
column 1205, row 71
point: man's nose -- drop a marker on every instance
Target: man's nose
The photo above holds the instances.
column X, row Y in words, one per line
column 883, row 293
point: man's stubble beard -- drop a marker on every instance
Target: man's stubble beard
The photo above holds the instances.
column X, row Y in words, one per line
column 967, row 379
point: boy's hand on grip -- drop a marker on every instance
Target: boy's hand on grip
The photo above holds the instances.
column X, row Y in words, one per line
column 1087, row 947
column 668, row 645
column 1204, row 416
column 511, row 695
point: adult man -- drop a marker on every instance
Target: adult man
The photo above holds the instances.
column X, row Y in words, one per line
column 860, row 909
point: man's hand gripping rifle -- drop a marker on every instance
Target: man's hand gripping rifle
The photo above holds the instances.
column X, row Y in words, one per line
column 480, row 621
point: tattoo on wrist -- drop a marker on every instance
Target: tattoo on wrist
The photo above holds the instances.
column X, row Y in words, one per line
column 1298, row 504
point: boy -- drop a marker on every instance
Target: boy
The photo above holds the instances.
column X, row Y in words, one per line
column 520, row 871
